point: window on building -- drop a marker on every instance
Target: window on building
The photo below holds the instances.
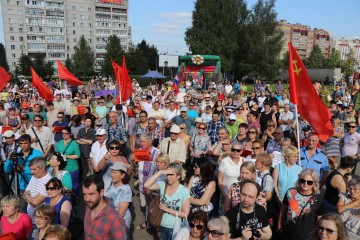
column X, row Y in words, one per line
column 13, row 55
column 11, row 29
column 20, row 29
column 19, row 12
column 74, row 32
column 73, row 24
column 30, row 29
column 18, row 3
column 74, row 8
column 12, row 38
column 89, row 9
column 74, row 40
column 13, row 64
column 74, row 16
column 81, row 9
column 89, row 40
column 82, row 24
column 9, row 10
column 40, row 29
column 89, row 24
column 8, row 1
column 12, row 46
column 21, row 38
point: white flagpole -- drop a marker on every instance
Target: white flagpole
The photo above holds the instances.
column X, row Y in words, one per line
column 298, row 132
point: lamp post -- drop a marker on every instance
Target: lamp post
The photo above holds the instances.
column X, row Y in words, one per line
column 166, row 63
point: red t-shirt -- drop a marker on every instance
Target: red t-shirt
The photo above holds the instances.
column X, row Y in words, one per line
column 21, row 228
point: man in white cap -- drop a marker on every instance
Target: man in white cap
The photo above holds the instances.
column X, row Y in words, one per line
column 206, row 102
column 232, row 126
column 98, row 150
column 7, row 147
column 183, row 118
column 174, row 146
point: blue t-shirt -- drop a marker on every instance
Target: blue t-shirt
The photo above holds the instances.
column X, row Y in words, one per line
column 319, row 162
column 173, row 202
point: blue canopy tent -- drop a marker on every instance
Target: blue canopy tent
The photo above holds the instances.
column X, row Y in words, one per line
column 153, row 74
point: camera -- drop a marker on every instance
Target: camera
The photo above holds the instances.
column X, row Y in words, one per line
column 14, row 156
column 256, row 233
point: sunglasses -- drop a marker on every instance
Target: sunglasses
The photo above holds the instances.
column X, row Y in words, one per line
column 214, row 233
column 236, row 150
column 112, row 148
column 327, row 230
column 251, row 132
column 182, row 128
column 352, row 126
column 34, row 120
column 174, row 133
column 170, row 175
column 50, row 188
column 241, row 109
column 60, row 116
column 202, row 128
column 198, row 226
column 303, row 181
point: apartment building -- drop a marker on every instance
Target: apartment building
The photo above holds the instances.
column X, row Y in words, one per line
column 303, row 38
column 345, row 45
column 53, row 27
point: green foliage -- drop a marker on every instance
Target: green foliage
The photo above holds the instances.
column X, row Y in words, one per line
column 43, row 68
column 285, row 60
column 245, row 39
column 335, row 59
column 3, row 61
column 69, row 64
column 114, row 52
column 136, row 61
column 83, row 59
column 213, row 30
column 150, row 53
column 24, row 64
column 316, row 58
column 349, row 65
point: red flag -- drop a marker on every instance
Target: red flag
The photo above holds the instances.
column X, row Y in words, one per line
column 4, row 78
column 304, row 95
column 123, row 81
column 65, row 74
column 43, row 90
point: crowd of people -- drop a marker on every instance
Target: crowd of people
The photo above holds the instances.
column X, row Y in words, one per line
column 224, row 163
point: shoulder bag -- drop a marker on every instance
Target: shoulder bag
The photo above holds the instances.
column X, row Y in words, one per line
column 155, row 213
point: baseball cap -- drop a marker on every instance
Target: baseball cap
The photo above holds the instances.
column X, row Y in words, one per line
column 198, row 120
column 119, row 166
column 183, row 109
column 101, row 131
column 9, row 133
column 175, row 129
column 232, row 117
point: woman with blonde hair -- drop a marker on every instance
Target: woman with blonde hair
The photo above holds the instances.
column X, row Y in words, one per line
column 301, row 204
column 183, row 135
column 285, row 174
column 218, row 228
column 12, row 219
column 177, row 197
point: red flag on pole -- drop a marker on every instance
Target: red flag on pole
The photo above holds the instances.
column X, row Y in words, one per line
column 304, row 95
column 43, row 90
column 117, row 72
column 4, row 78
column 123, row 81
column 65, row 74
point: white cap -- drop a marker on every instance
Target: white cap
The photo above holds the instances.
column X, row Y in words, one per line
column 175, row 129
column 183, row 109
column 9, row 133
column 198, row 120
column 232, row 117
column 100, row 131
column 119, row 166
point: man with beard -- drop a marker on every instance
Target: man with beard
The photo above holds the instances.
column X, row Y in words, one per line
column 101, row 220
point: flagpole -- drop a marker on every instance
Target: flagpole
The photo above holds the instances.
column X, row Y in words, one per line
column 298, row 132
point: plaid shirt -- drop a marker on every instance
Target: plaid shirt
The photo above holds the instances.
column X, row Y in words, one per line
column 117, row 133
column 157, row 134
column 212, row 129
column 108, row 224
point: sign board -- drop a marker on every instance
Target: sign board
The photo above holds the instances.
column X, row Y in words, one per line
column 111, row 1
column 173, row 61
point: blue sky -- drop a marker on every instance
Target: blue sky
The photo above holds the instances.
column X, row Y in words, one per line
column 163, row 22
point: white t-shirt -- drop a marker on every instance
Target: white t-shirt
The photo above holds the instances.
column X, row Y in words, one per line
column 98, row 153
column 231, row 171
column 159, row 112
column 228, row 89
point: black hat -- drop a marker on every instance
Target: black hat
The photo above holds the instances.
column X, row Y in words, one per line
column 306, row 128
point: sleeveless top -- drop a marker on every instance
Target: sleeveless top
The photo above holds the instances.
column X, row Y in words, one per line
column 264, row 118
column 13, row 122
column 331, row 193
column 197, row 191
column 57, row 207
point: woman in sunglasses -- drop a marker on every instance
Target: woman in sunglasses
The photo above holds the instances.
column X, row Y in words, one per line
column 200, row 142
column 349, row 208
column 251, row 135
column 331, row 227
column 109, row 159
column 298, row 215
column 197, row 224
column 59, row 201
column 218, row 229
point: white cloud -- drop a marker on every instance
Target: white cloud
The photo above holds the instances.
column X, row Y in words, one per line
column 166, row 25
column 175, row 15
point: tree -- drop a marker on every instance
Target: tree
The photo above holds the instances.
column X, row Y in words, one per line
column 83, row 59
column 136, row 61
column 316, row 58
column 213, row 30
column 335, row 59
column 285, row 60
column 114, row 52
column 3, row 61
column 349, row 65
column 150, row 53
column 24, row 64
column 43, row 68
column 69, row 64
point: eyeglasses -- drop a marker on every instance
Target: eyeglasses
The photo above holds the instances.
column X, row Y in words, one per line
column 241, row 109
column 255, row 148
column 214, row 233
column 169, row 175
column 352, row 126
column 112, row 148
column 327, row 230
column 236, row 150
column 51, row 188
column 60, row 116
column 202, row 128
column 182, row 128
column 198, row 226
column 252, row 132
column 43, row 218
column 303, row 181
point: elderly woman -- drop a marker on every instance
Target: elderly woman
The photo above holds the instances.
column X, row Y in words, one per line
column 56, row 169
column 12, row 219
column 229, row 169
column 119, row 192
column 331, row 227
column 61, row 203
column 298, row 215
column 218, row 229
column 349, row 207
column 177, row 198
column 200, row 142
column 286, row 174
column 44, row 216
